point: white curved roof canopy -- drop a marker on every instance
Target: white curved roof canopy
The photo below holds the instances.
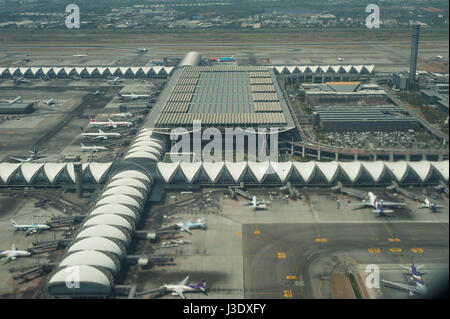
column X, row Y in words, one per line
column 423, row 169
column 329, row 169
column 375, row 169
column 52, row 170
column 399, row 169
column 99, row 170
column 87, row 274
column 7, row 170
column 352, row 170
column 125, row 190
column 259, row 170
column 110, row 219
column 167, row 170
column 131, row 174
column 96, row 243
column 142, row 155
column 128, row 181
column 282, row 169
column 119, row 199
column 190, row 170
column 213, row 170
column 117, row 209
column 442, row 168
column 90, row 258
column 236, row 170
column 29, row 170
column 104, row 231
column 305, row 170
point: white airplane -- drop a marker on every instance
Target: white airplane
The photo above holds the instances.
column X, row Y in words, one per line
column 419, row 285
column 440, row 57
column 432, row 206
column 100, row 134
column 13, row 100
column 31, row 158
column 29, row 229
column 187, row 226
column 132, row 96
column 258, row 206
column 340, row 59
column 93, row 148
column 98, row 92
column 180, row 288
column 19, row 80
column 13, row 253
column 116, row 80
column 122, row 115
column 378, row 205
column 109, row 123
column 81, row 55
column 49, row 102
column 259, row 202
column 143, row 50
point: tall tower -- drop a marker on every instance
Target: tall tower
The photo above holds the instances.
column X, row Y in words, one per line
column 413, row 57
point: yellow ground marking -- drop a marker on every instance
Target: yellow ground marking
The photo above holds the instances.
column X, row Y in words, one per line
column 374, row 250
column 66, row 126
column 22, row 133
column 281, row 255
column 52, row 139
column 4, row 145
column 417, row 250
column 291, row 277
column 238, row 233
column 395, row 250
column 320, row 240
column 9, row 132
column 256, row 232
column 287, row 293
column 394, row 240
column 46, row 149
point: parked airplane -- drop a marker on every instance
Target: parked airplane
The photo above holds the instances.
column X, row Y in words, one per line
column 180, row 288
column 258, row 206
column 378, row 205
column 419, row 285
column 432, row 206
column 122, row 115
column 41, row 203
column 13, row 100
column 187, row 226
column 13, row 253
column 442, row 187
column 29, row 229
column 98, row 92
column 109, row 123
column 32, row 158
column 132, row 96
column 93, row 148
column 144, row 50
column 81, row 55
column 259, row 202
column 340, row 59
column 223, row 59
column 100, row 134
column 49, row 102
column 116, row 80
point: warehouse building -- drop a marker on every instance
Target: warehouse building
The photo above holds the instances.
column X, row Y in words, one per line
column 16, row 108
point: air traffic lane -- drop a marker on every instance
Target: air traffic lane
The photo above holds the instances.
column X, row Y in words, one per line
column 230, row 309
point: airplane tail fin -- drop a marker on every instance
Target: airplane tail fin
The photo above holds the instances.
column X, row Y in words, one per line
column 13, row 247
column 91, row 119
column 254, row 201
column 82, row 145
column 100, row 131
column 82, row 130
column 13, row 223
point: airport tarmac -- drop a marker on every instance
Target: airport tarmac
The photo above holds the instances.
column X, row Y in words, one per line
column 298, row 249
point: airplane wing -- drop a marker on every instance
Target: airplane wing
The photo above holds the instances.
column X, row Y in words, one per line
column 187, row 230
column 409, row 288
column 179, row 292
column 393, row 204
column 185, row 281
column 18, row 159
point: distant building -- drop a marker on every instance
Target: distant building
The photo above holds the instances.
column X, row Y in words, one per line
column 400, row 81
column 16, row 108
